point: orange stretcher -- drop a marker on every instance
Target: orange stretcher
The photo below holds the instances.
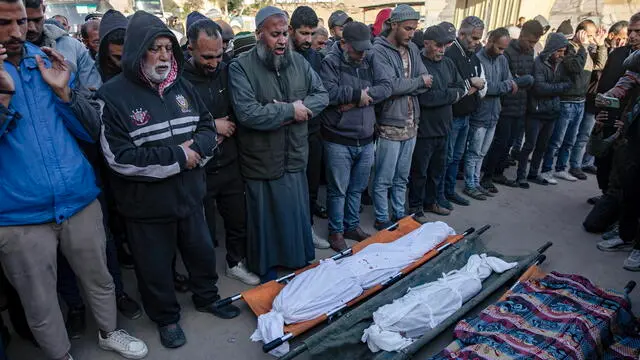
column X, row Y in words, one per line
column 260, row 298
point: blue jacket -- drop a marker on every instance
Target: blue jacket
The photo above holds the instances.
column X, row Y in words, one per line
column 45, row 176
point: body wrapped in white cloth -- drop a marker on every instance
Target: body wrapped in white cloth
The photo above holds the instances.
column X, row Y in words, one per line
column 333, row 283
column 396, row 325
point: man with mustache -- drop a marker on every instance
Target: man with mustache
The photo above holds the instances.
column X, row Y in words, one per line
column 397, row 123
column 429, row 157
column 302, row 26
column 356, row 83
column 74, row 52
column 156, row 142
column 90, row 33
column 49, row 193
column 225, row 188
column 275, row 92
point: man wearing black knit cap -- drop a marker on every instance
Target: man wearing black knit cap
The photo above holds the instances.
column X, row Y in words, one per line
column 429, row 156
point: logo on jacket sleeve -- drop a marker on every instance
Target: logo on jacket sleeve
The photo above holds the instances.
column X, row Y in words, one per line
column 183, row 103
column 140, row 117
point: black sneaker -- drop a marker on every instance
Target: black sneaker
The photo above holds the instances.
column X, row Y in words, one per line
column 172, row 336
column 577, row 172
column 76, row 323
column 474, row 193
column 382, row 225
column 457, row 199
column 180, row 282
column 502, row 180
column 594, row 200
column 128, row 307
column 445, row 203
column 224, row 312
column 484, row 191
column 523, row 183
column 488, row 185
column 590, row 169
column 537, row 179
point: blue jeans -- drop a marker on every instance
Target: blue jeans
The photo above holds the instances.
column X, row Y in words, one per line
column 584, row 132
column 392, row 165
column 480, row 139
column 456, row 144
column 564, row 135
column 348, row 169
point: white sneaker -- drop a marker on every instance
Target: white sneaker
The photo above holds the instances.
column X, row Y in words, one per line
column 240, row 272
column 549, row 178
column 124, row 344
column 564, row 175
column 633, row 261
column 614, row 244
column 318, row 242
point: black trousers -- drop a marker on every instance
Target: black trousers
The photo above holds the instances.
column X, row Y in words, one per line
column 153, row 245
column 427, row 171
column 536, row 137
column 496, row 160
column 225, row 193
column 314, row 168
column 603, row 214
column 604, row 165
column 630, row 199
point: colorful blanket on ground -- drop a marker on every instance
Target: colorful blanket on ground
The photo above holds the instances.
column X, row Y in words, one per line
column 556, row 317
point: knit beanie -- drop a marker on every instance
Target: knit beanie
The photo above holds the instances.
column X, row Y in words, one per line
column 402, row 13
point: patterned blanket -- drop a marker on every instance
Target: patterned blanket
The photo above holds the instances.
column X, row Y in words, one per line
column 556, row 317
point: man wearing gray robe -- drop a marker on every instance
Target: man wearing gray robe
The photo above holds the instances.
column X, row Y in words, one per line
column 275, row 92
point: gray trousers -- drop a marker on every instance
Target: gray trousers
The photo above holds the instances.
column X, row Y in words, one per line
column 28, row 257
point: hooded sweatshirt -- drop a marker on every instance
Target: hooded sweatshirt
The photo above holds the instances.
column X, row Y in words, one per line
column 382, row 16
column 75, row 54
column 111, row 21
column 143, row 130
column 550, row 81
column 499, row 79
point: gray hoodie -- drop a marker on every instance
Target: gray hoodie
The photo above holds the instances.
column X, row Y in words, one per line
column 395, row 110
column 499, row 82
column 75, row 53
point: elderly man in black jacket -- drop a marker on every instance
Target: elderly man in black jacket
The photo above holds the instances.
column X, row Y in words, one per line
column 514, row 106
column 429, row 156
column 355, row 82
column 275, row 92
column 155, row 142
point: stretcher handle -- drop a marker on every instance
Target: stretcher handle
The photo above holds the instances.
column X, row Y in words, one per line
column 545, row 247
column 483, row 229
column 277, row 342
column 629, row 287
column 540, row 259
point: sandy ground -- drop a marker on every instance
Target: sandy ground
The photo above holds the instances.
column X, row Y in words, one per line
column 521, row 220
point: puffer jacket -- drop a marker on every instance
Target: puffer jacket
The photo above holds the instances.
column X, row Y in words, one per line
column 45, row 177
column 75, row 54
column 344, row 82
column 520, row 64
column 550, row 81
column 395, row 110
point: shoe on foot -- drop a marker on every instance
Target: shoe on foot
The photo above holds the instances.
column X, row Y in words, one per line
column 121, row 342
column 594, row 200
column 548, row 177
column 356, row 234
column 420, row 217
column 76, row 323
column 538, row 179
column 337, row 243
column 484, row 191
column 318, row 242
column 614, row 244
column 633, row 261
column 180, row 282
column 228, row 311
column 502, row 180
column 128, row 307
column 444, row 203
column 320, row 211
column 436, row 209
column 172, row 336
column 240, row 272
column 488, row 185
column 474, row 193
column 590, row 169
column 578, row 173
column 381, row 225
column 611, row 233
column 564, row 175
column 457, row 199
column 522, row 183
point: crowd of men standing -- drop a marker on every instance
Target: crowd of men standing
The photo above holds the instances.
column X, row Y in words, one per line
column 118, row 153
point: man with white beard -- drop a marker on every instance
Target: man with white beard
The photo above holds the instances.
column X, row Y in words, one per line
column 275, row 93
column 156, row 135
